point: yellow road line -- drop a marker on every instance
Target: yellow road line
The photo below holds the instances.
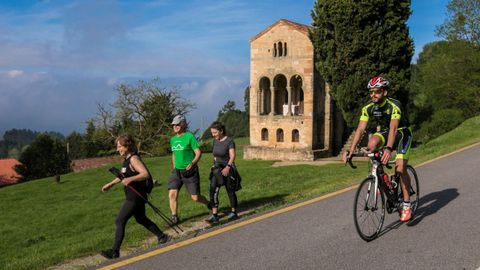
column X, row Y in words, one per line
column 222, row 230
column 446, row 155
column 249, row 221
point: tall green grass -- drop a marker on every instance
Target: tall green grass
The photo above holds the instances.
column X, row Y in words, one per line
column 43, row 223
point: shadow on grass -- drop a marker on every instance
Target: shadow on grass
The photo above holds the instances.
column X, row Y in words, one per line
column 244, row 206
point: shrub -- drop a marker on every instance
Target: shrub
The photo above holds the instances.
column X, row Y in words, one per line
column 442, row 121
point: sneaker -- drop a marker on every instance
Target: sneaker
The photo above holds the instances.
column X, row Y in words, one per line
column 212, row 219
column 232, row 216
column 164, row 238
column 174, row 219
column 110, row 253
column 406, row 214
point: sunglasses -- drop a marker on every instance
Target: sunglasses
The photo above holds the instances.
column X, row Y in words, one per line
column 376, row 91
column 176, row 125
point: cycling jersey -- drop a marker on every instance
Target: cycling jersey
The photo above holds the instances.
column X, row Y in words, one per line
column 381, row 114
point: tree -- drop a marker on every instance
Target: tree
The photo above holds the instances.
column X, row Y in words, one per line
column 144, row 110
column 43, row 158
column 356, row 40
column 76, row 146
column 15, row 140
column 235, row 121
column 246, row 100
column 462, row 22
column 445, row 82
column 228, row 107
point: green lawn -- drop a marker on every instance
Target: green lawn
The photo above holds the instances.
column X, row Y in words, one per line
column 44, row 223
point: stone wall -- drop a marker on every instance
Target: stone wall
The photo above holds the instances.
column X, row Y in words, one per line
column 89, row 163
column 293, row 154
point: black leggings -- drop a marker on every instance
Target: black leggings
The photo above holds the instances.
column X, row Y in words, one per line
column 129, row 209
column 215, row 189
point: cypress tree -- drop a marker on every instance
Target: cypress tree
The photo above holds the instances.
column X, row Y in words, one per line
column 356, row 40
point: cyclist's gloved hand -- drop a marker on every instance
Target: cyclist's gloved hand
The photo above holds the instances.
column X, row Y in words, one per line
column 387, row 153
column 347, row 155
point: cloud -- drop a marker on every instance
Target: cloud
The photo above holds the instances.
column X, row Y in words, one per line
column 209, row 96
column 14, row 73
column 44, row 102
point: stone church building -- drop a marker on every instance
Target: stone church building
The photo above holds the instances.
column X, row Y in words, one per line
column 292, row 116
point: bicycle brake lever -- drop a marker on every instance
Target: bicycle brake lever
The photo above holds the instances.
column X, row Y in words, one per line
column 349, row 160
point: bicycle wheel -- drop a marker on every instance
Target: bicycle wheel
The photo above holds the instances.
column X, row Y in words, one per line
column 414, row 189
column 368, row 210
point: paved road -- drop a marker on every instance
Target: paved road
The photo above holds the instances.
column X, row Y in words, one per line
column 444, row 235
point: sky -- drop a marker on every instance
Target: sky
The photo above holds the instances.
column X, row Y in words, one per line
column 60, row 59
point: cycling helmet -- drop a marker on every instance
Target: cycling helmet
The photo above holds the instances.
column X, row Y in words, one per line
column 377, row 82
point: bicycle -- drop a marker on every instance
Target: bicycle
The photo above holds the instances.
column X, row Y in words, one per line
column 370, row 204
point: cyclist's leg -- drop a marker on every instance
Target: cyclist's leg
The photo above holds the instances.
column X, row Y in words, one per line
column 403, row 142
column 376, row 141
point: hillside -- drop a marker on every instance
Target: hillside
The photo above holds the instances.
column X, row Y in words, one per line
column 44, row 223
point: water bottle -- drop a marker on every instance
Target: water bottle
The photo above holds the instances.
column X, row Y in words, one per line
column 386, row 180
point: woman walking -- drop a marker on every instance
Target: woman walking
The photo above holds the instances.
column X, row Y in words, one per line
column 135, row 175
column 223, row 163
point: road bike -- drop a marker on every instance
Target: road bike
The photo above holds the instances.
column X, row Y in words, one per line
column 379, row 192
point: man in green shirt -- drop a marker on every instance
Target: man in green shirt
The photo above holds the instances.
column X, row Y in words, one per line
column 185, row 156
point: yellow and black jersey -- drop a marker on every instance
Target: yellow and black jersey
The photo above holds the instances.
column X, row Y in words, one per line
column 382, row 113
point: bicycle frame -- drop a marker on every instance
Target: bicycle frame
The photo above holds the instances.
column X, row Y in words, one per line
column 374, row 173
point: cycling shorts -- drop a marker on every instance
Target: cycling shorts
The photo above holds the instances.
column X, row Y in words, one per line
column 403, row 141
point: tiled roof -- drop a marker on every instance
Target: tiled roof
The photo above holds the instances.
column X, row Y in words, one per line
column 8, row 175
column 297, row 26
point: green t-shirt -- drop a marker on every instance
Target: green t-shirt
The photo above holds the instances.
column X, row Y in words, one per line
column 182, row 148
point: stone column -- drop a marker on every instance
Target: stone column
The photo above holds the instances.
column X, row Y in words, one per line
column 259, row 101
column 328, row 120
column 272, row 100
column 289, row 91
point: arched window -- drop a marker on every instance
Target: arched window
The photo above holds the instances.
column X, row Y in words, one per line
column 296, row 85
column 280, row 94
column 265, row 96
column 264, row 134
column 279, row 135
column 279, row 49
column 295, row 135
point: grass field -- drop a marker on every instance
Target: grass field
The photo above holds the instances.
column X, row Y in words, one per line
column 44, row 223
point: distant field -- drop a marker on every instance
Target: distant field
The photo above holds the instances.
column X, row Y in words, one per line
column 43, row 223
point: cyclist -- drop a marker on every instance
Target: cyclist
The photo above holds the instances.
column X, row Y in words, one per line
column 392, row 131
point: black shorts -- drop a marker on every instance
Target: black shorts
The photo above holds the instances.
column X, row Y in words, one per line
column 176, row 181
column 403, row 141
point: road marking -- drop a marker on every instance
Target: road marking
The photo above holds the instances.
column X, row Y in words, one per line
column 446, row 155
column 250, row 221
column 222, row 230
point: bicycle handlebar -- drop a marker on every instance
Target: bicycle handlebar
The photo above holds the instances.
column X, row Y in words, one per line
column 366, row 153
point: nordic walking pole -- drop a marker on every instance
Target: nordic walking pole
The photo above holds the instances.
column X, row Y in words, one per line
column 165, row 218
